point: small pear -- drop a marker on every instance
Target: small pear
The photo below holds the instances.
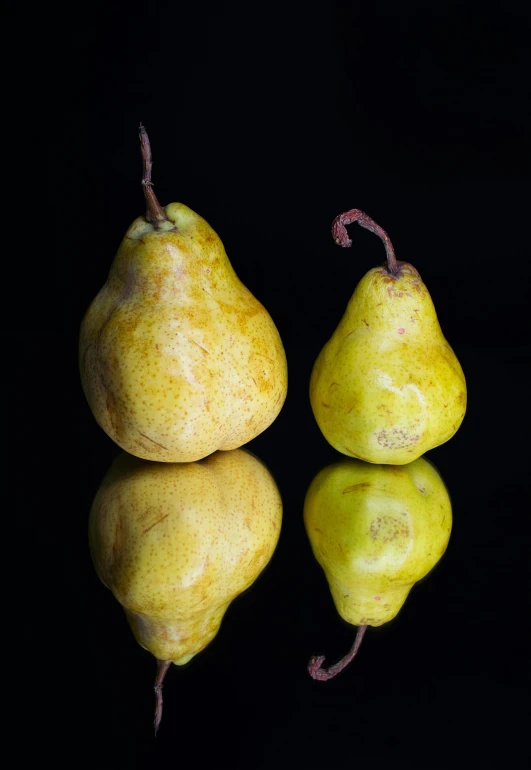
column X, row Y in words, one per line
column 177, row 542
column 387, row 387
column 376, row 530
column 177, row 357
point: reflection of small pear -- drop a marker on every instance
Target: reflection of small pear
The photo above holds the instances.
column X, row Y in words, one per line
column 177, row 542
column 387, row 386
column 375, row 530
column 177, row 357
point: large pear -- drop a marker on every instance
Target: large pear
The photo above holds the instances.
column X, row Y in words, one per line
column 177, row 357
column 177, row 542
column 375, row 530
column 387, row 386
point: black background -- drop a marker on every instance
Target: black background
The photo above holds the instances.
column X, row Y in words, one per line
column 270, row 120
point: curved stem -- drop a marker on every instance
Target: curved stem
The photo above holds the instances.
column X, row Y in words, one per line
column 323, row 674
column 340, row 236
column 162, row 667
column 155, row 212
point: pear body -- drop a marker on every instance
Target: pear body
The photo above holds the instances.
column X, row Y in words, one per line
column 376, row 530
column 177, row 357
column 387, row 386
column 177, row 542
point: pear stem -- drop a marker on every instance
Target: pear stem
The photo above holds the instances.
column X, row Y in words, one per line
column 162, row 667
column 324, row 674
column 339, row 234
column 155, row 213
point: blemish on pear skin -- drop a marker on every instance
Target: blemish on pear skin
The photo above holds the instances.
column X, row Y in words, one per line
column 401, row 330
column 396, row 439
column 394, row 293
column 327, row 406
column 198, row 345
column 155, row 523
column 387, row 529
column 153, row 440
column 361, row 485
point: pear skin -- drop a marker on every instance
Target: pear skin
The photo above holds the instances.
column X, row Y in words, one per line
column 177, row 357
column 387, row 387
column 177, row 542
column 376, row 530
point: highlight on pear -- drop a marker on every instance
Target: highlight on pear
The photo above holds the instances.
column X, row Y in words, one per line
column 387, row 387
column 177, row 358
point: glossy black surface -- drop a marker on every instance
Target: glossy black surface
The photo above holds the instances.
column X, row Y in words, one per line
column 269, row 130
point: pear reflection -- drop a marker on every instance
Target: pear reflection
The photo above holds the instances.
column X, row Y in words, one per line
column 376, row 530
column 177, row 542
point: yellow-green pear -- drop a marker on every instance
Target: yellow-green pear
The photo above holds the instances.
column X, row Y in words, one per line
column 375, row 530
column 387, row 386
column 177, row 357
column 177, row 542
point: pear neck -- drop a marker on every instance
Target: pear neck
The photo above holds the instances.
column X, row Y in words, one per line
column 340, row 235
column 154, row 213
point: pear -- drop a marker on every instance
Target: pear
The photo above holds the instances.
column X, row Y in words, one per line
column 177, row 542
column 387, row 387
column 177, row 357
column 376, row 530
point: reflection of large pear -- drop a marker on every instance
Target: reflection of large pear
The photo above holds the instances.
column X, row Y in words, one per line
column 177, row 358
column 177, row 542
column 376, row 530
column 387, row 386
